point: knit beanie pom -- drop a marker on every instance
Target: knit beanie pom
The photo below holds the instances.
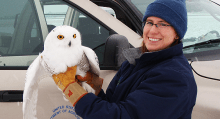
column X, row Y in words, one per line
column 172, row 11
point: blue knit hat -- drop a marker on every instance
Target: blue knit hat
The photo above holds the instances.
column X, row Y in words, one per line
column 172, row 11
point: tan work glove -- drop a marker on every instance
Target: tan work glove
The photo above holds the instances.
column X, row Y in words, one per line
column 67, row 83
column 93, row 80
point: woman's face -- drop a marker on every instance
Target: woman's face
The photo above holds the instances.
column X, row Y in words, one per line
column 155, row 38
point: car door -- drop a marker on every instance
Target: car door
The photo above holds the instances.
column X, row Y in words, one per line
column 24, row 26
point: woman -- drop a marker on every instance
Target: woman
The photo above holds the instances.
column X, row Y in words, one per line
column 158, row 84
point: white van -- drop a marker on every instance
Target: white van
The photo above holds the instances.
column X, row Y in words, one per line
column 24, row 25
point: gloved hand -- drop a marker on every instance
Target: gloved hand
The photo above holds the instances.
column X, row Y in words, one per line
column 93, row 80
column 67, row 83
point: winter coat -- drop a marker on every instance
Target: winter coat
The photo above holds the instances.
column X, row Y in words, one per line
column 157, row 85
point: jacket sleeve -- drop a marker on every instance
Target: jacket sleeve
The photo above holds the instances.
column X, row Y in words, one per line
column 161, row 95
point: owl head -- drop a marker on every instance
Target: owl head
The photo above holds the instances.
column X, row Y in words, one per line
column 63, row 36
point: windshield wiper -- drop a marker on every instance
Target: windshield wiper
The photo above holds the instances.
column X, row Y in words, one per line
column 215, row 2
column 203, row 43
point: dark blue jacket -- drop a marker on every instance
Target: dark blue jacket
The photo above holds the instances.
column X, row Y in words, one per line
column 158, row 85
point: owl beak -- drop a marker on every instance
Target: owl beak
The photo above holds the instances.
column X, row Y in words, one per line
column 70, row 44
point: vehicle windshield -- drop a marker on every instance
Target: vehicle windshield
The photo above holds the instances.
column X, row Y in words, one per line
column 203, row 24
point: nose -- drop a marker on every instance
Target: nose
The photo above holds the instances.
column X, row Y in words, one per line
column 154, row 29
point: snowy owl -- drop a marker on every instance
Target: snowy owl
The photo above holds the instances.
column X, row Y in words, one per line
column 62, row 49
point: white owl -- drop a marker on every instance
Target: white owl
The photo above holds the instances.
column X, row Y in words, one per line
column 62, row 49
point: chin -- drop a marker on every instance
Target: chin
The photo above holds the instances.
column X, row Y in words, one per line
column 153, row 49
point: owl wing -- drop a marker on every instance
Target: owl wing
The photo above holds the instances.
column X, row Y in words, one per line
column 93, row 60
column 34, row 74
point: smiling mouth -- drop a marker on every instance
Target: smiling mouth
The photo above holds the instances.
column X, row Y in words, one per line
column 152, row 39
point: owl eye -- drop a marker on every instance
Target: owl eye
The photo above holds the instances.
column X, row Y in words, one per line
column 60, row 37
column 74, row 36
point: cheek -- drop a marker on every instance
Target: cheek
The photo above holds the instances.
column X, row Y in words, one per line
column 145, row 32
column 169, row 36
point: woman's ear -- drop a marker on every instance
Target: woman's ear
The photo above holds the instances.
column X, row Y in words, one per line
column 177, row 37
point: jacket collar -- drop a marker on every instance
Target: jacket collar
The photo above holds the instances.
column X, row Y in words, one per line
column 133, row 54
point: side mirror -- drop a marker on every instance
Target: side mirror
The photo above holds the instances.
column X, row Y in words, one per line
column 113, row 57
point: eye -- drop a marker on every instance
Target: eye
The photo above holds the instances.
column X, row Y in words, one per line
column 74, row 36
column 60, row 37
column 149, row 23
column 162, row 24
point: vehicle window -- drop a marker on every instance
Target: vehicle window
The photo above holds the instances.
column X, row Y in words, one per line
column 55, row 14
column 20, row 32
column 203, row 26
column 109, row 10
column 93, row 33
column 141, row 4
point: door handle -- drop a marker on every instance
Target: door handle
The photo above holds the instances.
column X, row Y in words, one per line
column 11, row 96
